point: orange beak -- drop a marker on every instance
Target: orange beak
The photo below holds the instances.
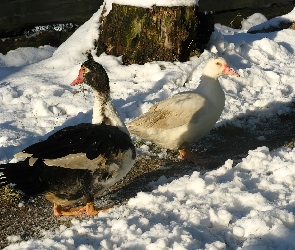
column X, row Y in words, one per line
column 229, row 71
column 79, row 79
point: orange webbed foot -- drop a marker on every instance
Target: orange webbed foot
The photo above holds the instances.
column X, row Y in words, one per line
column 186, row 154
column 58, row 210
column 90, row 209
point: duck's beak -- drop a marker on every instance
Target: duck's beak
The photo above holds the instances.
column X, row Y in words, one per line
column 229, row 71
column 79, row 79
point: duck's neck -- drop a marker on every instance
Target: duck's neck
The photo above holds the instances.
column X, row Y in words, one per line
column 211, row 89
column 104, row 112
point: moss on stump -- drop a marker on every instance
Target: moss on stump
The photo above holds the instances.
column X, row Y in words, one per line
column 142, row 35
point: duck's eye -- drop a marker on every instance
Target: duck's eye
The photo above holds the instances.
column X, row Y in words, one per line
column 218, row 63
column 84, row 70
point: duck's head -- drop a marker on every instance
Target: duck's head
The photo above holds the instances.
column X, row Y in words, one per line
column 218, row 66
column 93, row 74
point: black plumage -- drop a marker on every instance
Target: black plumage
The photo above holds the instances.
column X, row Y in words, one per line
column 92, row 139
column 40, row 178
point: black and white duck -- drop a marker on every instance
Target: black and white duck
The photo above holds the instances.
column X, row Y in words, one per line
column 77, row 163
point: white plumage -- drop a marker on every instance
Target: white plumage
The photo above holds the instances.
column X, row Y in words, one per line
column 185, row 117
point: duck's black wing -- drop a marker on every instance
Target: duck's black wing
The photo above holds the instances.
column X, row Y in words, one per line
column 91, row 139
column 38, row 177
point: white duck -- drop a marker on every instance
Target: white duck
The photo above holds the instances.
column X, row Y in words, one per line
column 78, row 162
column 185, row 117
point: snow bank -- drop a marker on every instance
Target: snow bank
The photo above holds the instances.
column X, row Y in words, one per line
column 274, row 22
column 253, row 20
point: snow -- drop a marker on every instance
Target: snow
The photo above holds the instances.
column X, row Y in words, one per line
column 150, row 3
column 253, row 20
column 245, row 205
column 274, row 22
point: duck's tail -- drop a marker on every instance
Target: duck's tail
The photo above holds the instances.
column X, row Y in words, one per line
column 23, row 177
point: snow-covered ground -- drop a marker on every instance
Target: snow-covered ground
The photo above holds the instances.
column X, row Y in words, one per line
column 250, row 205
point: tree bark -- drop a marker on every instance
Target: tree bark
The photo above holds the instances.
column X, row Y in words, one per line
column 142, row 35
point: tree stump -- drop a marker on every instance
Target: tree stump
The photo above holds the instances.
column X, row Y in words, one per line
column 159, row 33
